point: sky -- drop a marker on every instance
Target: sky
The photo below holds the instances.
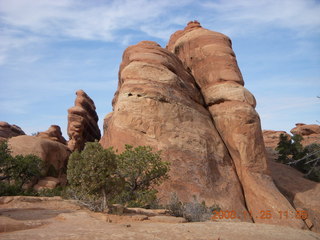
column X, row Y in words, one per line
column 51, row 48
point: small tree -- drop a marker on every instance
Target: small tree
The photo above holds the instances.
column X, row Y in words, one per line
column 20, row 169
column 91, row 175
column 290, row 148
column 141, row 169
column 305, row 159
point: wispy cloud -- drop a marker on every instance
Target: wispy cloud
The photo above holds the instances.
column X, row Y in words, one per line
column 25, row 22
column 302, row 16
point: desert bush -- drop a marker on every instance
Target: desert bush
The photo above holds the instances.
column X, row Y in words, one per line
column 141, row 170
column 192, row 211
column 57, row 191
column 305, row 159
column 92, row 176
column 98, row 177
column 16, row 171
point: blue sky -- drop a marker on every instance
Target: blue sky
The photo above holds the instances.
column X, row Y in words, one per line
column 51, row 48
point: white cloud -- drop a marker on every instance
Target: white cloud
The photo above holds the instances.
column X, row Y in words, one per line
column 302, row 16
column 27, row 21
column 84, row 20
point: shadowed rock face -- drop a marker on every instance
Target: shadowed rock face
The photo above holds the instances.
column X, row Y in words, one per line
column 158, row 104
column 7, row 131
column 210, row 58
column 301, row 192
column 54, row 134
column 82, row 122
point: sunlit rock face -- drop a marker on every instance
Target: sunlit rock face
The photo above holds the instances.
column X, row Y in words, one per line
column 7, row 131
column 309, row 132
column 210, row 58
column 158, row 104
column 53, row 133
column 189, row 101
column 82, row 122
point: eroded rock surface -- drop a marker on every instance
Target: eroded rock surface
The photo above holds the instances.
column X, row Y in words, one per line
column 53, row 133
column 7, row 130
column 210, row 58
column 158, row 104
column 82, row 122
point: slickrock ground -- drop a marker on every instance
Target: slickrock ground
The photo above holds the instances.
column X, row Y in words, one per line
column 7, row 130
column 56, row 219
column 82, row 122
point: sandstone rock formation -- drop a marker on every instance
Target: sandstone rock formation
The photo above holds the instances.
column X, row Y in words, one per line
column 192, row 105
column 158, row 104
column 54, row 154
column 82, row 122
column 271, row 138
column 210, row 58
column 7, row 131
column 53, row 133
column 309, row 132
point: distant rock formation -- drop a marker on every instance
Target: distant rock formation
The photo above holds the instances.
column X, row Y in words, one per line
column 309, row 132
column 53, row 153
column 53, row 133
column 271, row 138
column 82, row 122
column 7, row 131
column 192, row 105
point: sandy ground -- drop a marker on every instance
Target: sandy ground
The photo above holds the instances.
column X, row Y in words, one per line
column 54, row 218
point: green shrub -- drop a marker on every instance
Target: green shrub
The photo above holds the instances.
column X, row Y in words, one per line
column 92, row 176
column 98, row 177
column 16, row 171
column 141, row 170
column 57, row 191
column 305, row 159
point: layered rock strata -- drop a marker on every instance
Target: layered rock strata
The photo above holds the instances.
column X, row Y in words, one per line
column 7, row 131
column 82, row 122
column 158, row 104
column 210, row 58
column 53, row 133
